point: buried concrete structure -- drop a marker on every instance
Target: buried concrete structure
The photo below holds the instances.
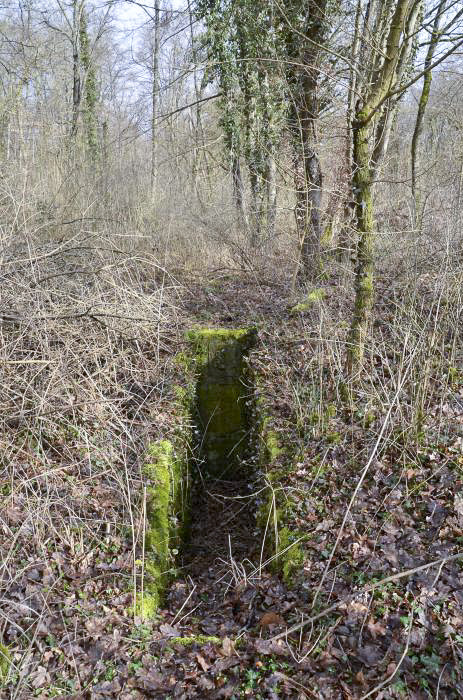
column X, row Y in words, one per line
column 222, row 398
column 216, row 397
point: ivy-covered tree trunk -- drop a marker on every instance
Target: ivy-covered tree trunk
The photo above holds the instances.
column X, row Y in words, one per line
column 76, row 91
column 90, row 90
column 155, row 92
column 346, row 240
column 364, row 287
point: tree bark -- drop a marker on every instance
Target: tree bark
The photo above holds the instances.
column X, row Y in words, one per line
column 309, row 202
column 271, row 197
column 364, row 285
column 76, row 91
column 238, row 194
column 89, row 89
column 345, row 243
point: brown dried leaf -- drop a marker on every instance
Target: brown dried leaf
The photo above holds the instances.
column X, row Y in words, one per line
column 271, row 618
column 228, row 648
column 360, row 678
column 376, row 628
column 202, row 662
column 169, row 631
column 39, row 678
column 14, row 515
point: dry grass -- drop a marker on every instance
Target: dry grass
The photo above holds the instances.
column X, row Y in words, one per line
column 87, row 325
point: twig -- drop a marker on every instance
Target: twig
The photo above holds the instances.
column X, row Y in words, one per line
column 439, row 681
column 183, row 605
column 28, row 362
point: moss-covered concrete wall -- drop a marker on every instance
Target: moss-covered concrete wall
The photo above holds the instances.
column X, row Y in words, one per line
column 5, row 663
column 282, row 543
column 167, row 480
column 222, row 396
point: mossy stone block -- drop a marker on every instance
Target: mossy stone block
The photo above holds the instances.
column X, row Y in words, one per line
column 221, row 395
column 199, row 639
column 5, row 663
column 166, row 503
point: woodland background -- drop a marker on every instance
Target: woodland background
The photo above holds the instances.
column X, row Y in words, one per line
column 298, row 167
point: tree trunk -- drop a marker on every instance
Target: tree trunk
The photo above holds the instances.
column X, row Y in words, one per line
column 76, row 92
column 257, row 210
column 364, row 286
column 90, row 90
column 308, row 184
column 310, row 253
column 238, row 194
column 423, row 103
column 300, row 211
column 155, row 94
column 271, row 197
column 345, row 242
column 200, row 141
column 307, row 119
column 385, row 79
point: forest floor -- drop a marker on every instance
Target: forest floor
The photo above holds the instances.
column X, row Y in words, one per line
column 66, row 618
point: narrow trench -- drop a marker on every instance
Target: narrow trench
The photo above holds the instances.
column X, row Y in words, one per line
column 223, row 542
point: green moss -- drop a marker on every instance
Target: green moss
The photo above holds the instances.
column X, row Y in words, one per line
column 271, row 516
column 300, row 308
column 5, row 663
column 181, row 360
column 148, row 604
column 327, row 235
column 334, row 438
column 275, row 512
column 369, row 419
column 200, row 639
column 454, row 377
column 315, row 296
column 331, row 411
column 166, row 505
column 221, row 407
column 200, row 334
column 181, row 394
column 291, row 561
column 272, row 445
column 221, row 394
column 207, row 341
